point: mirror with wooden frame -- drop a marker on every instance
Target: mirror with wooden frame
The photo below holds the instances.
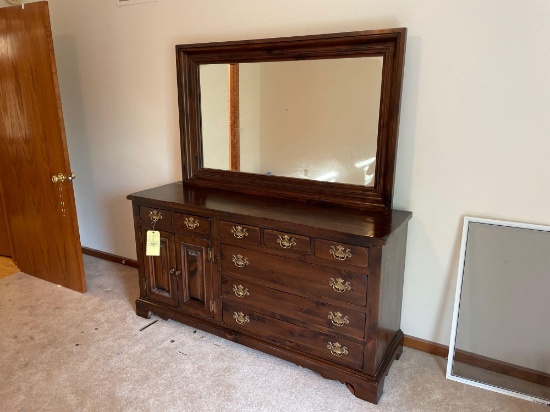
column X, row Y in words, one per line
column 311, row 118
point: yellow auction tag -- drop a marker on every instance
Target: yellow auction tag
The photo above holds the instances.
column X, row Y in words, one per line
column 153, row 243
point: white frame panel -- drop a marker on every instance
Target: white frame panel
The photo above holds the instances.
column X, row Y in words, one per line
column 460, row 277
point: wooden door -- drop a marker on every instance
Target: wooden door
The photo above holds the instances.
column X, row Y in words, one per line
column 160, row 271
column 41, row 214
column 194, row 274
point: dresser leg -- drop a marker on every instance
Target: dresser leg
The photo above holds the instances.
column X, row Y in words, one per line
column 368, row 391
column 141, row 310
column 399, row 352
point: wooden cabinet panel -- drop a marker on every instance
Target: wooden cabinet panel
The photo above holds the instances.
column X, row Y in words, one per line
column 326, row 346
column 240, row 232
column 160, row 270
column 292, row 308
column 286, row 241
column 194, row 274
column 305, row 277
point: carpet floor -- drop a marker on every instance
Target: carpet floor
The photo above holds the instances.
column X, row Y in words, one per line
column 65, row 351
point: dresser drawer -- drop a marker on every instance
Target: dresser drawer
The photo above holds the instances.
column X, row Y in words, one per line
column 286, row 241
column 241, row 233
column 288, row 307
column 297, row 276
column 164, row 216
column 341, row 252
column 197, row 224
column 323, row 345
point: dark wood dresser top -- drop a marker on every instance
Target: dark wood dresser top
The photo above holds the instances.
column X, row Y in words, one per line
column 378, row 227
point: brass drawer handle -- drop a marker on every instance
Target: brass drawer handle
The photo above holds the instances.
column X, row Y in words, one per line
column 285, row 242
column 155, row 216
column 239, row 232
column 339, row 286
column 338, row 319
column 191, row 223
column 240, row 261
column 339, row 253
column 240, row 291
column 241, row 318
column 336, row 349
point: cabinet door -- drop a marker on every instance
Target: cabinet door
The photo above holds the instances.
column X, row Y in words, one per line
column 194, row 271
column 160, row 270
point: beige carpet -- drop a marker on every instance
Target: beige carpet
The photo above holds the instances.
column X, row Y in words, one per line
column 64, row 351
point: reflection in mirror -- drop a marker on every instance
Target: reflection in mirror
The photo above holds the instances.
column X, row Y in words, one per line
column 311, row 119
column 500, row 327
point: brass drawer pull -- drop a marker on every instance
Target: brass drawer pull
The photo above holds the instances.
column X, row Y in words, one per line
column 240, row 291
column 285, row 242
column 241, row 318
column 338, row 319
column 239, row 232
column 240, row 261
column 191, row 223
column 336, row 349
column 339, row 253
column 339, row 286
column 155, row 216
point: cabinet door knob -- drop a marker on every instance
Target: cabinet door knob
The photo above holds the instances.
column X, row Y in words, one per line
column 336, row 349
column 338, row 319
column 240, row 261
column 286, row 242
column 339, row 285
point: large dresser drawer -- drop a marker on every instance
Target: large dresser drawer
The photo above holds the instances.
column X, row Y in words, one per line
column 292, row 308
column 323, row 345
column 298, row 276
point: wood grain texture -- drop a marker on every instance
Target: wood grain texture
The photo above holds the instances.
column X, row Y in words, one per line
column 234, row 119
column 5, row 237
column 390, row 44
column 42, row 215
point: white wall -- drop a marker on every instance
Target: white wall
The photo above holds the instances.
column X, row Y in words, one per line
column 474, row 136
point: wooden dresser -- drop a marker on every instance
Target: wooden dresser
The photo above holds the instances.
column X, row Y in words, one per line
column 317, row 286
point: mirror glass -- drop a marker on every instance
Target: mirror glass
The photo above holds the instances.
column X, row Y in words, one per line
column 501, row 329
column 308, row 119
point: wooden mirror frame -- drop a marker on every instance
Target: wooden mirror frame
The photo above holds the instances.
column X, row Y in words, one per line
column 389, row 43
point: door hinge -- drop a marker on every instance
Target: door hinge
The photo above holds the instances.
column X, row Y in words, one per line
column 144, row 284
column 140, row 238
column 212, row 306
column 210, row 254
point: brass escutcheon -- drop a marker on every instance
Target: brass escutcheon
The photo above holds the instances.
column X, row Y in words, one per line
column 338, row 319
column 240, row 291
column 191, row 222
column 285, row 242
column 338, row 285
column 155, row 216
column 239, row 232
column 339, row 253
column 240, row 261
column 240, row 318
column 336, row 349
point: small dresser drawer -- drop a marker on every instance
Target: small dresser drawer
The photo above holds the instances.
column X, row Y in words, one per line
column 242, row 233
column 326, row 346
column 341, row 252
column 296, row 276
column 149, row 214
column 288, row 307
column 286, row 241
column 197, row 224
